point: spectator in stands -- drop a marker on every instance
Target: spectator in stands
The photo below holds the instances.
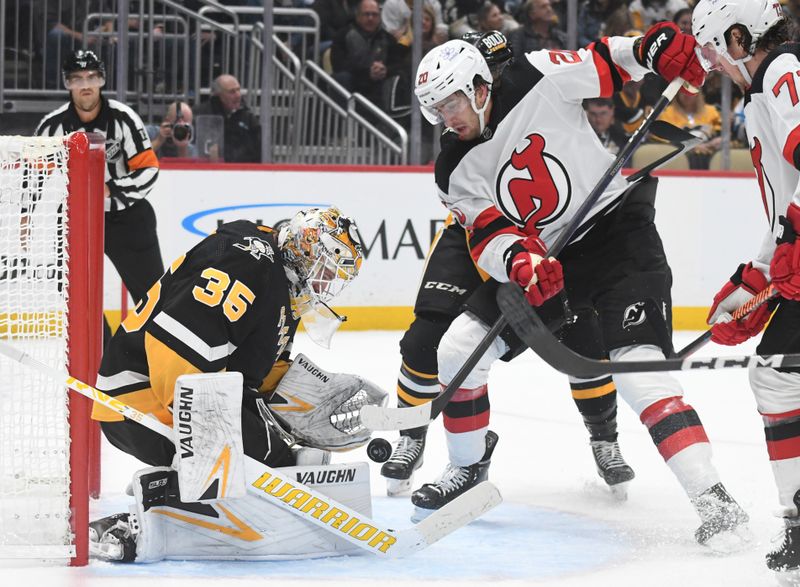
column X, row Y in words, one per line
column 396, row 18
column 630, row 107
column 172, row 138
column 491, row 18
column 600, row 112
column 242, row 129
column 683, row 20
column 690, row 112
column 364, row 55
column 131, row 241
column 538, row 30
column 433, row 31
column 646, row 12
column 64, row 23
column 334, row 17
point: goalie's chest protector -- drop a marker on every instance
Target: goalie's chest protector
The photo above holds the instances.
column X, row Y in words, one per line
column 772, row 119
column 538, row 157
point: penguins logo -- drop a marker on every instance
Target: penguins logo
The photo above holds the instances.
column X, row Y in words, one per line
column 533, row 188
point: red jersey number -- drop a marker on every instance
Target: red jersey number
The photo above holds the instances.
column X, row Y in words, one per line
column 558, row 57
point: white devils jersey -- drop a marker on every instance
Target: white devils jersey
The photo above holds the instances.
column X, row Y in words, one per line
column 772, row 118
column 538, row 158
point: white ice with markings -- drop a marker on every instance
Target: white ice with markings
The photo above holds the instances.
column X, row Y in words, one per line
column 558, row 524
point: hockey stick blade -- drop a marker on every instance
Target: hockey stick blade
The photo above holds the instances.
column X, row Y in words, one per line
column 299, row 499
column 529, row 327
column 380, row 418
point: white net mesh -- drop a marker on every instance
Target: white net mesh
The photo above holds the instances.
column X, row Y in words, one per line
column 34, row 432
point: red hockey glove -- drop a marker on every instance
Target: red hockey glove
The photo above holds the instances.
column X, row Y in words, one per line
column 743, row 285
column 670, row 53
column 541, row 278
column 785, row 266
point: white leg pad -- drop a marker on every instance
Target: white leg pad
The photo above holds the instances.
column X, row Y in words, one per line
column 466, row 448
column 249, row 528
column 693, row 468
column 779, row 393
column 457, row 344
column 641, row 390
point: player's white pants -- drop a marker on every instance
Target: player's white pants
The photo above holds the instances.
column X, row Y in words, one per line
column 674, row 426
column 777, row 396
column 466, row 418
column 248, row 528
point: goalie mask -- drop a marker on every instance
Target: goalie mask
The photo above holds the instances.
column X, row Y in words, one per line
column 322, row 254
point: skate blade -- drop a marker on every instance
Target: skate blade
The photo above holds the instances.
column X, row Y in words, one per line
column 395, row 487
column 420, row 514
column 730, row 541
column 788, row 578
column 620, row 491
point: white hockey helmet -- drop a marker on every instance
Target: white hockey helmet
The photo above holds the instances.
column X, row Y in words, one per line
column 711, row 19
column 322, row 254
column 447, row 69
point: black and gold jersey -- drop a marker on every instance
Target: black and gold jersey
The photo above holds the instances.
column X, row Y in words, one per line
column 224, row 305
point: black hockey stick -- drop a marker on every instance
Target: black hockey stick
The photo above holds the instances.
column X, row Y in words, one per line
column 381, row 418
column 529, row 327
column 765, row 295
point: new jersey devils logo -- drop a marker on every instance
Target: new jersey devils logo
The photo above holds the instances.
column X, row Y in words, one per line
column 533, row 188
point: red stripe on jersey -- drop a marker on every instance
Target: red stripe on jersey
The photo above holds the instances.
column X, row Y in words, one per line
column 467, row 395
column 653, row 414
column 604, row 73
column 484, row 219
column 773, row 418
column 468, row 424
column 682, row 439
column 603, row 63
column 783, row 449
column 791, row 144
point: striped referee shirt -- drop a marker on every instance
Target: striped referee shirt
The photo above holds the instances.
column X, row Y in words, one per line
column 131, row 164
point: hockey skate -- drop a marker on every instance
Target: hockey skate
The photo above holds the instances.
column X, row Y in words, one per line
column 785, row 558
column 724, row 528
column 452, row 483
column 612, row 468
column 113, row 538
column 399, row 469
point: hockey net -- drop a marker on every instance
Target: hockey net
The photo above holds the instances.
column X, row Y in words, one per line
column 51, row 243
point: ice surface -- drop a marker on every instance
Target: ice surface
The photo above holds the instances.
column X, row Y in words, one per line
column 558, row 525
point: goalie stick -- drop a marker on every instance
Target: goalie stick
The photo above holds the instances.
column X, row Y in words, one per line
column 303, row 501
column 383, row 418
column 530, row 328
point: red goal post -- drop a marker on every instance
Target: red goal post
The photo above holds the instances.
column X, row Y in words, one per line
column 51, row 294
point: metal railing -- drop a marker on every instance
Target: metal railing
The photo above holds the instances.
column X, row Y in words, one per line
column 168, row 52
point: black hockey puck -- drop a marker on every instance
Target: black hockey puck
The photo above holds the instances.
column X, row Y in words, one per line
column 379, row 450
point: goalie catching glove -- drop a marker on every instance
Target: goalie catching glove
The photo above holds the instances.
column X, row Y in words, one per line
column 320, row 409
column 540, row 277
column 785, row 266
column 740, row 289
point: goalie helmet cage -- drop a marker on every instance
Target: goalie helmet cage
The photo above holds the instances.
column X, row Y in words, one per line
column 51, row 280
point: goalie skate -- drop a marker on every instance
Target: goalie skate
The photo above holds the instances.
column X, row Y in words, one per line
column 452, row 483
column 113, row 538
column 724, row 528
column 399, row 469
column 612, row 468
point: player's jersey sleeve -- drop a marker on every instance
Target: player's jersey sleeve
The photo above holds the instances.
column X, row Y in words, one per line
column 599, row 70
